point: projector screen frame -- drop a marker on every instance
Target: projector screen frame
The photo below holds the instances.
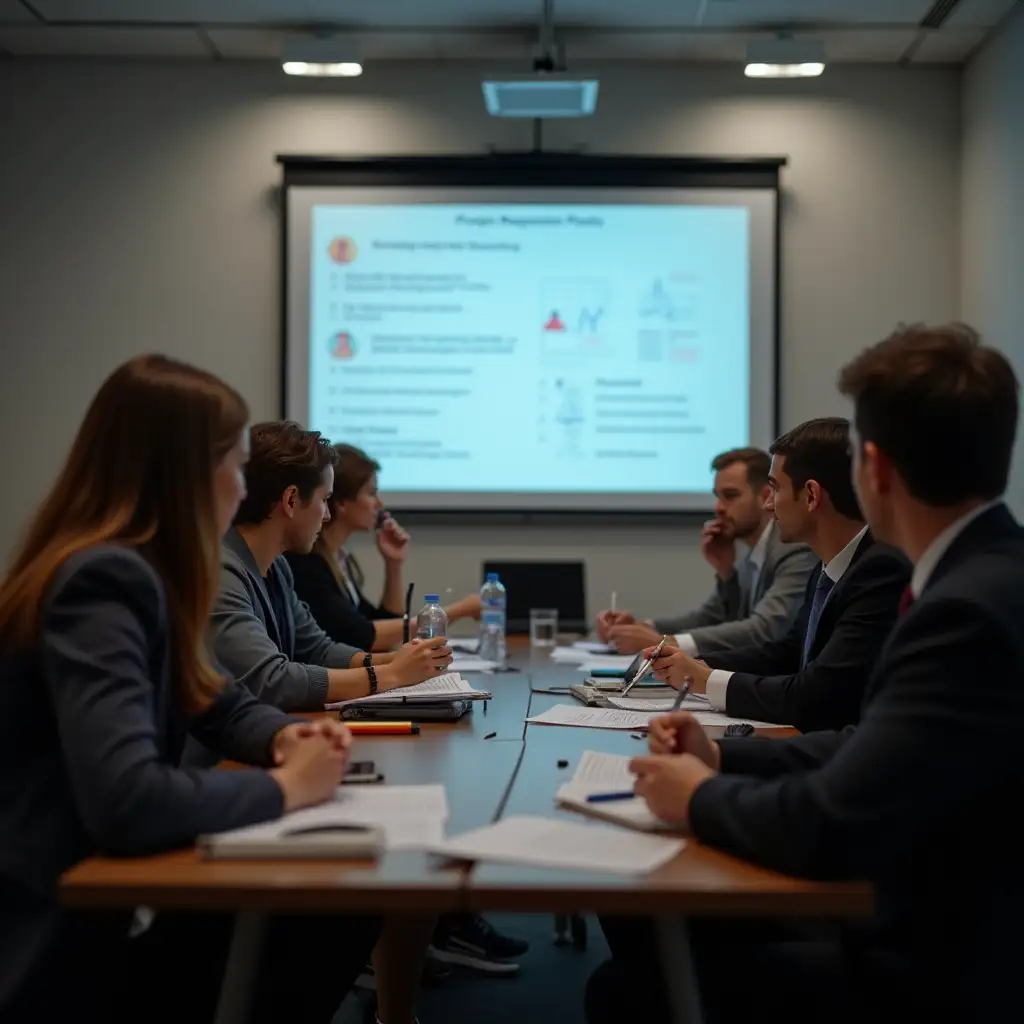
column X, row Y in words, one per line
column 543, row 170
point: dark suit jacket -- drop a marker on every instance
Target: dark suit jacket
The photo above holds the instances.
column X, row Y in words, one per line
column 922, row 798
column 769, row 685
column 331, row 605
column 91, row 732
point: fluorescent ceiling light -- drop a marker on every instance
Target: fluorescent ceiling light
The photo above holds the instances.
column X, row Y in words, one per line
column 341, row 69
column 809, row 69
column 320, row 57
column 785, row 57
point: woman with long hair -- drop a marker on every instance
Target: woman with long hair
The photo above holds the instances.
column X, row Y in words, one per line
column 103, row 671
column 330, row 580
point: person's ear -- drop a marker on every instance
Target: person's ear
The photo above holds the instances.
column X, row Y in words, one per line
column 878, row 468
column 765, row 496
column 290, row 501
column 814, row 496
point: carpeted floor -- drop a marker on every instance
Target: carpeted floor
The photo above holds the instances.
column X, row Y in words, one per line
column 549, row 986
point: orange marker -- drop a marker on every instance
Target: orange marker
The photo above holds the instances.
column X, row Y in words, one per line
column 383, row 728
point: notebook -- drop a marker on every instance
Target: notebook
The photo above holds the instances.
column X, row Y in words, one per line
column 450, row 686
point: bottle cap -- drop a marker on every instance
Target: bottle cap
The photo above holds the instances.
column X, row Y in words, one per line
column 433, row 598
column 492, row 577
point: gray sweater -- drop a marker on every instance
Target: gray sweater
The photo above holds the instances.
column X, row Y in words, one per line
column 284, row 662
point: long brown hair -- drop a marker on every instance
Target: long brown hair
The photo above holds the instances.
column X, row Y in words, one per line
column 352, row 468
column 139, row 474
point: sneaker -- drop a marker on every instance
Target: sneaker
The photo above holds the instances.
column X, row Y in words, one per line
column 472, row 941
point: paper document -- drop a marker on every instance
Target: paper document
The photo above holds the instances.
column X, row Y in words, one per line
column 464, row 643
column 407, row 816
column 593, row 647
column 605, row 661
column 592, row 718
column 547, row 842
column 603, row 772
column 570, row 655
column 450, row 686
column 691, row 702
column 469, row 663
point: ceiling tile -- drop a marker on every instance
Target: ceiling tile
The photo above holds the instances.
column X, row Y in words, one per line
column 101, row 42
column 13, row 11
column 440, row 13
column 975, row 13
column 948, row 46
column 772, row 13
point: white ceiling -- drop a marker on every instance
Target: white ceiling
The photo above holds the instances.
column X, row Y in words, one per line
column 875, row 31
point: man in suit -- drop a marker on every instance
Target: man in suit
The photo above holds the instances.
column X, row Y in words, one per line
column 921, row 797
column 814, row 677
column 756, row 597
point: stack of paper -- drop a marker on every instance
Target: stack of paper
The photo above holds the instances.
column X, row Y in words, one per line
column 608, row 773
column 470, row 663
column 449, row 687
column 358, row 822
column 570, row 655
column 603, row 662
column 592, row 718
column 549, row 843
column 593, row 647
column 691, row 702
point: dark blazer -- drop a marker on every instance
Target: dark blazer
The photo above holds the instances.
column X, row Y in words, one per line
column 922, row 797
column 331, row 604
column 769, row 684
column 91, row 733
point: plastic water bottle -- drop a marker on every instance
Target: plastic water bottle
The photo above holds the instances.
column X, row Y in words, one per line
column 432, row 620
column 492, row 621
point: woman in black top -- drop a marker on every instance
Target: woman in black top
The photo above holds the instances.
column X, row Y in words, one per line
column 103, row 671
column 330, row 580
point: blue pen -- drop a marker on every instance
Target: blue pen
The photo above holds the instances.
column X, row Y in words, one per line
column 604, row 798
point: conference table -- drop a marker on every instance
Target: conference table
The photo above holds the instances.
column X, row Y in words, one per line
column 492, row 764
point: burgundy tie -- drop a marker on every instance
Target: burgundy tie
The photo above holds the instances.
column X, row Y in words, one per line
column 906, row 600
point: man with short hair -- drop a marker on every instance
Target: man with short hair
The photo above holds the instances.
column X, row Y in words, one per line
column 756, row 597
column 920, row 797
column 814, row 677
column 262, row 633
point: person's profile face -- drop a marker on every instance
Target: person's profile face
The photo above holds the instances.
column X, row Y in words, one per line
column 229, row 482
column 789, row 509
column 309, row 517
column 737, row 504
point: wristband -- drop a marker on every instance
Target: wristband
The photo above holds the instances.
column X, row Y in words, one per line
column 373, row 679
column 367, row 660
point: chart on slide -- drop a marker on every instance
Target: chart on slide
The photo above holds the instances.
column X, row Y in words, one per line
column 528, row 348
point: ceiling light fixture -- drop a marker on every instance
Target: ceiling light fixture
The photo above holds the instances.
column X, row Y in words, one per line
column 320, row 57
column 785, row 57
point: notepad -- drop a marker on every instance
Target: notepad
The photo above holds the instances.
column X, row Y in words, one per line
column 550, row 843
column 608, row 773
column 450, row 686
column 357, row 823
column 592, row 718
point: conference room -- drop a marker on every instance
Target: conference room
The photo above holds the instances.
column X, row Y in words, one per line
column 577, row 474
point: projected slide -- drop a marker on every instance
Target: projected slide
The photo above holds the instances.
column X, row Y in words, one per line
column 532, row 347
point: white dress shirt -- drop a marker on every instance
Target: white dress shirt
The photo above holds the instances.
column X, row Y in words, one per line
column 684, row 641
column 718, row 681
column 927, row 563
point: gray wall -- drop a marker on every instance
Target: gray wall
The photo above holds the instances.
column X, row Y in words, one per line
column 993, row 202
column 139, row 213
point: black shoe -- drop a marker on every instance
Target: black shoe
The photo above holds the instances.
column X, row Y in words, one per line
column 472, row 941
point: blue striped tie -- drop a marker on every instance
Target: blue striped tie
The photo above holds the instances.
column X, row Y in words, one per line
column 821, row 591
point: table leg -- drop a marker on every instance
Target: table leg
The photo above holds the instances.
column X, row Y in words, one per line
column 241, row 969
column 678, row 970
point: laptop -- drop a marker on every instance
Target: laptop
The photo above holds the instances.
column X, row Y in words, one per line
column 560, row 585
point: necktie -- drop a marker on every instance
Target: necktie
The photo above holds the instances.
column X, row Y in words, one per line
column 906, row 600
column 821, row 591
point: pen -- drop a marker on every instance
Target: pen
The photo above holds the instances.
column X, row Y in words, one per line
column 642, row 671
column 408, row 609
column 681, row 695
column 614, row 596
column 383, row 728
column 604, row 798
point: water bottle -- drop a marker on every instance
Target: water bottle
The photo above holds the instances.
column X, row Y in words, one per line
column 492, row 621
column 432, row 620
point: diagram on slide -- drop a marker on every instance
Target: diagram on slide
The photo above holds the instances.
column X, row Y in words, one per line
column 568, row 418
column 667, row 302
column 572, row 316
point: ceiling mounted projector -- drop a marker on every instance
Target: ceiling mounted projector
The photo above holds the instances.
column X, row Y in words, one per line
column 320, row 56
column 548, row 94
column 785, row 57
